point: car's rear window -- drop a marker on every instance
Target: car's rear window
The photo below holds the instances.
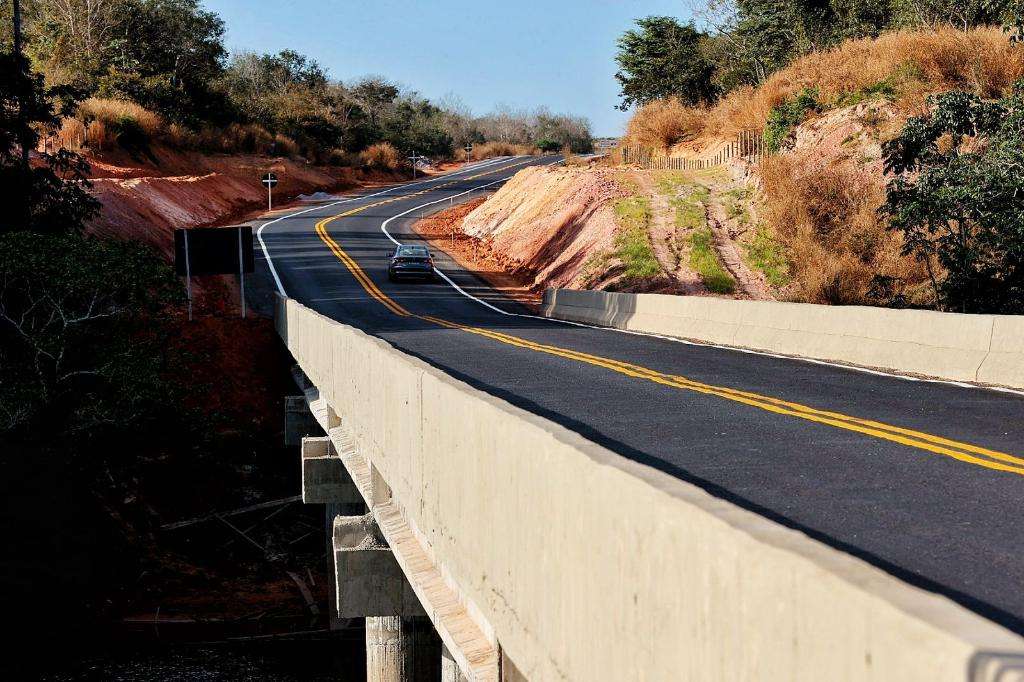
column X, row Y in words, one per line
column 415, row 251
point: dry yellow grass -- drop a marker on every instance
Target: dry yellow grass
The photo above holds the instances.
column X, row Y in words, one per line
column 285, row 146
column 111, row 112
column 488, row 150
column 980, row 60
column 71, row 134
column 99, row 137
column 382, row 156
column 662, row 123
column 827, row 220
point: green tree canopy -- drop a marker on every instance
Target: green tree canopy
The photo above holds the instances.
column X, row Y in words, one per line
column 663, row 58
column 957, row 195
column 51, row 196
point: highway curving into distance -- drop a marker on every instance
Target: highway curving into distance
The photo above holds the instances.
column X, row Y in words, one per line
column 923, row 479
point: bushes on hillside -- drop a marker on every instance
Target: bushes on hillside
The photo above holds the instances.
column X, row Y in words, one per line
column 904, row 66
column 662, row 123
column 381, row 156
column 788, row 115
column 174, row 69
column 957, row 198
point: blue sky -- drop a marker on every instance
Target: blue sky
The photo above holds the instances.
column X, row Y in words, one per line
column 524, row 53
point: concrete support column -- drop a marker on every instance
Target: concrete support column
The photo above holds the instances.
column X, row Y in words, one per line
column 449, row 668
column 385, row 649
column 401, row 650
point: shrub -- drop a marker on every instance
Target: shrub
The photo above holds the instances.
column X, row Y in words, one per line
column 826, row 220
column 115, row 114
column 71, row 134
column 99, row 137
column 381, row 156
column 662, row 123
column 957, row 198
column 787, row 116
column 489, row 150
column 104, row 366
column 285, row 146
column 546, row 145
column 246, row 138
column 339, row 157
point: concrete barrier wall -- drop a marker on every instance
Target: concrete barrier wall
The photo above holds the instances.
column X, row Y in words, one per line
column 983, row 348
column 591, row 567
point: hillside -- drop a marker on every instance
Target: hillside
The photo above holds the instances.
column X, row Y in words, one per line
column 144, row 199
column 800, row 224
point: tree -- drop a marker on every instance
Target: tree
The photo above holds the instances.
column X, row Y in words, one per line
column 164, row 55
column 663, row 59
column 51, row 196
column 76, row 346
column 69, row 305
column 957, row 195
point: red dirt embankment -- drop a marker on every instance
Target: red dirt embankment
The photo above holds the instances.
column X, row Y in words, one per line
column 546, row 223
column 144, row 200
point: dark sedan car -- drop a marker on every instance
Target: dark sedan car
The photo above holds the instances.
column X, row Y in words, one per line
column 410, row 261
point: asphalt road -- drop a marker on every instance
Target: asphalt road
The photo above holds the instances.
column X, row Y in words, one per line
column 923, row 479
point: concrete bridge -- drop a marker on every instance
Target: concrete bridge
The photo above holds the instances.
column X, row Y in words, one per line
column 535, row 554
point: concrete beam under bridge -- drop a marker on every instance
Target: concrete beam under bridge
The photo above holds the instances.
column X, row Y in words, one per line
column 324, row 478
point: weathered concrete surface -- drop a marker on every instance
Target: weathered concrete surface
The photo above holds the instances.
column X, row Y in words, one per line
column 368, row 580
column 979, row 348
column 324, row 478
column 586, row 566
column 401, row 650
column 449, row 668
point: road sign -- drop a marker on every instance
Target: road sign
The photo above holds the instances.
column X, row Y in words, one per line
column 202, row 251
column 415, row 158
column 270, row 179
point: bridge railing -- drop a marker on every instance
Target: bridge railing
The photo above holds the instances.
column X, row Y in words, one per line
column 584, row 565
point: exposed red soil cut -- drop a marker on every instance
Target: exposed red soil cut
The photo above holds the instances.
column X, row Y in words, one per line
column 443, row 231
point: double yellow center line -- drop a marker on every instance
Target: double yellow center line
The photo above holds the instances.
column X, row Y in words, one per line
column 964, row 452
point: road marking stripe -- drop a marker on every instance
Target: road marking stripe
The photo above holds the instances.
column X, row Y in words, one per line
column 877, row 429
column 996, row 460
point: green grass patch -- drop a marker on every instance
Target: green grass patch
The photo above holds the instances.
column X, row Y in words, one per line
column 632, row 243
column 735, row 203
column 764, row 253
column 704, row 260
column 788, row 115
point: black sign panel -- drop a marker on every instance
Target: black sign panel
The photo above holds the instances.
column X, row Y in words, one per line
column 270, row 179
column 213, row 251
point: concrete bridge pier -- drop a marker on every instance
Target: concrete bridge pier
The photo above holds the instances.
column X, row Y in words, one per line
column 449, row 668
column 402, row 650
column 401, row 643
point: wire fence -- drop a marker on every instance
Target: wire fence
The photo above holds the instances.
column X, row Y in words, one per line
column 748, row 145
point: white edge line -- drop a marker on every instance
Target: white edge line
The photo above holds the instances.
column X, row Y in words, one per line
column 675, row 339
column 437, row 178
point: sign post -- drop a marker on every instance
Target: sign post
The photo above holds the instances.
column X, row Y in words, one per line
column 205, row 251
column 414, row 158
column 241, row 273
column 270, row 179
column 188, row 275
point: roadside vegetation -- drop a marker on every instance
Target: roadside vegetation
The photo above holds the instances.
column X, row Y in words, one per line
column 705, row 262
column 174, row 83
column 889, row 129
column 632, row 243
